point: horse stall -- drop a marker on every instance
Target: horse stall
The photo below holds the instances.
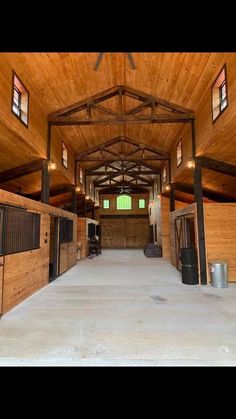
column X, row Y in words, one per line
column 37, row 244
column 220, row 234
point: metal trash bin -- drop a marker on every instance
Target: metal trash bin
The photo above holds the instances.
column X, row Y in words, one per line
column 219, row 273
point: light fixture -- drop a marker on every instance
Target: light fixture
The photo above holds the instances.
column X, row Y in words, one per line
column 159, row 196
column 190, row 164
column 87, row 197
column 167, row 188
column 77, row 189
column 52, row 165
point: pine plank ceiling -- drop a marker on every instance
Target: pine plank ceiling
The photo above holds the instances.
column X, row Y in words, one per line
column 60, row 79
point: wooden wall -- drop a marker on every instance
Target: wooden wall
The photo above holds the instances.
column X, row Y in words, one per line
column 26, row 272
column 216, row 140
column 123, row 228
column 220, row 235
column 82, row 234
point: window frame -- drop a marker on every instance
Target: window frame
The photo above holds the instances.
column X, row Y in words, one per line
column 141, row 199
column 224, row 68
column 62, row 159
column 26, row 124
column 124, row 209
column 108, row 204
column 177, row 146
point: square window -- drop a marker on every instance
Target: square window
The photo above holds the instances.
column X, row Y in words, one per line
column 219, row 95
column 179, row 153
column 20, row 100
column 141, row 203
column 64, row 155
column 106, row 203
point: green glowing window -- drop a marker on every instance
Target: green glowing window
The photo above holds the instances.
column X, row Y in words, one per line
column 106, row 203
column 141, row 203
column 124, row 202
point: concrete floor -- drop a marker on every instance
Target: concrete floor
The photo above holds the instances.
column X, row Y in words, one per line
column 122, row 309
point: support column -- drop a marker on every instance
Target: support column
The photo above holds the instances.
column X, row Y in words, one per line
column 172, row 192
column 45, row 180
column 93, row 214
column 172, row 198
column 197, row 177
column 73, row 201
column 45, row 176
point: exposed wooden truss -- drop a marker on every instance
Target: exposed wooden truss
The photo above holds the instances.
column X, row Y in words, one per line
column 105, row 115
column 137, row 151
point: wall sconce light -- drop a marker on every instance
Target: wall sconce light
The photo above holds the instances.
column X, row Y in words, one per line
column 87, row 197
column 167, row 188
column 190, row 164
column 77, row 189
column 52, row 165
column 159, row 196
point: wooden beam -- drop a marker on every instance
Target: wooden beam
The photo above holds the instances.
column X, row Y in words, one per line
column 127, row 172
column 122, row 119
column 142, row 96
column 217, row 165
column 120, row 158
column 114, row 91
column 92, row 150
column 214, row 196
column 23, row 170
column 82, row 104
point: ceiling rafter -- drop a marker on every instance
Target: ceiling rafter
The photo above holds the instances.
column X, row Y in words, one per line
column 175, row 113
column 156, row 154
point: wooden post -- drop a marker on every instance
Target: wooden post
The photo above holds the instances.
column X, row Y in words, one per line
column 93, row 217
column 73, row 201
column 45, row 179
column 172, row 192
column 197, row 177
column 45, row 176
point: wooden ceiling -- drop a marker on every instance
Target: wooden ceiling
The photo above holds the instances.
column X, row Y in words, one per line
column 60, row 79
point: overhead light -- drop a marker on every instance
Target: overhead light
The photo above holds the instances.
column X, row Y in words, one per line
column 190, row 164
column 52, row 165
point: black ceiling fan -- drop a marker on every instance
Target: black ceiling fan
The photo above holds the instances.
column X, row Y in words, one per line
column 100, row 56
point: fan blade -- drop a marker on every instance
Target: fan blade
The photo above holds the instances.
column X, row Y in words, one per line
column 131, row 60
column 100, row 55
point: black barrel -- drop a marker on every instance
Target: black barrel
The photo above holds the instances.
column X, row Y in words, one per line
column 189, row 266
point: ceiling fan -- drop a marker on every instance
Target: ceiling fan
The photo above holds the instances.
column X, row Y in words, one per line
column 129, row 55
column 125, row 189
